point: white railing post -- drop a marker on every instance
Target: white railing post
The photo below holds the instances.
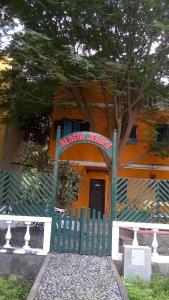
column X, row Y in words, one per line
column 27, row 236
column 161, row 229
column 11, row 220
column 155, row 243
column 115, row 241
column 47, row 236
column 135, row 240
column 8, row 235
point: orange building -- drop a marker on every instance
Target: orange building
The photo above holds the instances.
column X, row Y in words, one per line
column 139, row 163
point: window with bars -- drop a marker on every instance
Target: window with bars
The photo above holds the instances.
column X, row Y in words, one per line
column 69, row 126
column 162, row 133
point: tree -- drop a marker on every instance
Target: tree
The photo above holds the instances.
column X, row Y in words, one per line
column 68, row 185
column 121, row 45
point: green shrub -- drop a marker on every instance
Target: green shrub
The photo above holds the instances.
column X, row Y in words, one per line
column 12, row 288
column 68, row 184
column 157, row 289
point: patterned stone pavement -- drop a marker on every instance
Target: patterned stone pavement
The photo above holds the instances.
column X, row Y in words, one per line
column 78, row 277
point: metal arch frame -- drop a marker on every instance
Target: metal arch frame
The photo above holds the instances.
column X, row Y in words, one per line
column 85, row 137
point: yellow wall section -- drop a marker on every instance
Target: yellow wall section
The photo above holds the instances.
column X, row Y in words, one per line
column 2, row 131
column 4, row 65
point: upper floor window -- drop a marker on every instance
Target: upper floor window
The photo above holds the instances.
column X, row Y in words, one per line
column 69, row 126
column 133, row 135
column 162, row 133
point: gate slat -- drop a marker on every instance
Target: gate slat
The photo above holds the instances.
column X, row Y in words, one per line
column 88, row 232
column 98, row 234
column 69, row 231
column 109, row 237
column 82, row 230
column 93, row 232
column 58, row 233
column 64, row 232
column 104, row 236
column 75, row 233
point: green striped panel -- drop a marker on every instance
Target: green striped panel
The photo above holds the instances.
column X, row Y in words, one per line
column 142, row 200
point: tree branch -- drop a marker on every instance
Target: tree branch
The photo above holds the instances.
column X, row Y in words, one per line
column 85, row 110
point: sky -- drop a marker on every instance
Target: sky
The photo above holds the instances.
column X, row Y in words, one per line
column 6, row 37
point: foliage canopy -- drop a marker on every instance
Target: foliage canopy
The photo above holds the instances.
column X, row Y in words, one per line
column 121, row 45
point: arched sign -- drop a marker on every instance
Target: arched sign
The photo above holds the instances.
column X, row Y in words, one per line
column 86, row 137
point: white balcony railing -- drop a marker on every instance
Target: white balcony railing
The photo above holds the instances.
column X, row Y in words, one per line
column 11, row 221
column 154, row 229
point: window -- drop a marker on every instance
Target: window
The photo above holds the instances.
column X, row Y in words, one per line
column 70, row 126
column 133, row 136
column 162, row 133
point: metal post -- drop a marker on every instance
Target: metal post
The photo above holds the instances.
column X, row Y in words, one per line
column 113, row 176
column 54, row 192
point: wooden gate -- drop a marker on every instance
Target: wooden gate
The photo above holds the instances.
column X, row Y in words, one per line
column 79, row 233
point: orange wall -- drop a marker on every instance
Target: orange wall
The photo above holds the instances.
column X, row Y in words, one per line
column 83, row 199
column 90, row 153
column 133, row 153
column 81, row 152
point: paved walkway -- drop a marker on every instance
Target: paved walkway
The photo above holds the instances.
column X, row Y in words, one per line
column 77, row 277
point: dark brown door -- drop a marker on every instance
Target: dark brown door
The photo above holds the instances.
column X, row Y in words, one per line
column 97, row 195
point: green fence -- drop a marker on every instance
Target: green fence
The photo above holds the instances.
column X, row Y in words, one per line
column 142, row 200
column 25, row 193
column 83, row 234
column 84, row 231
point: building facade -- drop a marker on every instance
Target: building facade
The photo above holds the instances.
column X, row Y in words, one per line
column 138, row 161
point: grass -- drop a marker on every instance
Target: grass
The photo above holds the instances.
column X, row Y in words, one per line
column 12, row 288
column 157, row 289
